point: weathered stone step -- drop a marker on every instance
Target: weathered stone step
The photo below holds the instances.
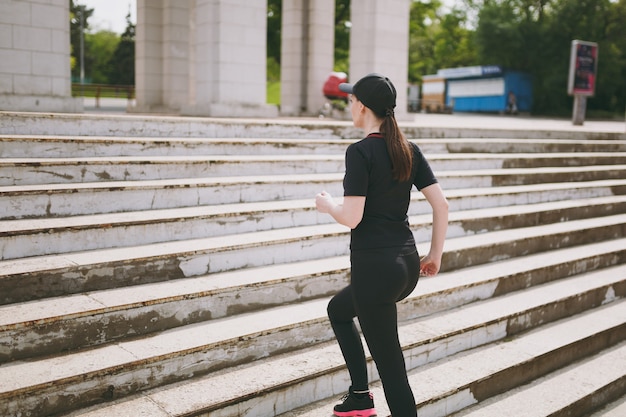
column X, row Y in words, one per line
column 508, row 364
column 28, row 146
column 36, row 237
column 519, row 176
column 25, row 171
column 51, row 200
column 109, row 197
column 53, row 275
column 302, row 377
column 170, row 126
column 461, row 379
column 614, row 409
column 82, row 320
column 476, row 197
column 573, row 390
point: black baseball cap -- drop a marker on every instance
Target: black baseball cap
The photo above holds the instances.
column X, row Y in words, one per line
column 375, row 91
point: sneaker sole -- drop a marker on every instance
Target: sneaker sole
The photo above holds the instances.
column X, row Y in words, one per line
column 356, row 413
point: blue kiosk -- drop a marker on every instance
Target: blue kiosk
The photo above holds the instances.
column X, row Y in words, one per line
column 487, row 89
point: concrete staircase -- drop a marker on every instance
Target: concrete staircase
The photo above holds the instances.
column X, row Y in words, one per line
column 147, row 276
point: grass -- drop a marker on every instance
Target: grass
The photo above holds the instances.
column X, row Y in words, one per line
column 273, row 92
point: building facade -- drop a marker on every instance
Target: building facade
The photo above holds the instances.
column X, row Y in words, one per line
column 205, row 57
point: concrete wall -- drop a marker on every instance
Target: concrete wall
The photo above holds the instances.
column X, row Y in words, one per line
column 35, row 56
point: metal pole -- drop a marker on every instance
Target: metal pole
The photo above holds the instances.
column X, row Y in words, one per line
column 82, row 49
column 580, row 106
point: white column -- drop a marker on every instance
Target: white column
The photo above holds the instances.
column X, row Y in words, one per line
column 292, row 59
column 229, row 74
column 149, row 55
column 379, row 42
column 307, row 54
column 35, row 57
column 162, row 59
column 176, row 53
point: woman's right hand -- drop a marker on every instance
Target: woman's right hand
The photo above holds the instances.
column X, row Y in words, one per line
column 429, row 266
column 324, row 202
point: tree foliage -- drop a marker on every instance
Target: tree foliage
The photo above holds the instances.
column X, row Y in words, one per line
column 342, row 35
column 75, row 32
column 101, row 46
column 535, row 36
column 274, row 22
column 109, row 58
column 120, row 68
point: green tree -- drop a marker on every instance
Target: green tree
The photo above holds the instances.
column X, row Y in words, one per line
column 120, row 67
column 75, row 33
column 274, row 22
column 101, row 47
column 342, row 36
column 600, row 21
column 498, row 37
column 454, row 43
column 438, row 40
column 535, row 36
column 422, row 29
column 612, row 62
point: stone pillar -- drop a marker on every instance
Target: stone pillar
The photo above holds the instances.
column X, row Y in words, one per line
column 162, row 55
column 307, row 54
column 228, row 74
column 35, row 57
column 176, row 53
column 379, row 42
column 202, row 57
column 149, row 55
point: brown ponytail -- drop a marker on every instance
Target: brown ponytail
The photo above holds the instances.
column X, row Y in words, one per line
column 398, row 146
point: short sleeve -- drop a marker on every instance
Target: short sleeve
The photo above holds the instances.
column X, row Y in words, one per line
column 424, row 175
column 356, row 179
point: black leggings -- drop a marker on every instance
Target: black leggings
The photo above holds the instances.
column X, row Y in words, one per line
column 379, row 279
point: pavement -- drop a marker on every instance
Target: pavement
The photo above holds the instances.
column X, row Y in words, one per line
column 427, row 120
column 521, row 122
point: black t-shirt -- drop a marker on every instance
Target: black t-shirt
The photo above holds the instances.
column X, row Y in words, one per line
column 368, row 173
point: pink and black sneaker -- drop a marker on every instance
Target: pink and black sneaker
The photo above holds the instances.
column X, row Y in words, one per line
column 356, row 404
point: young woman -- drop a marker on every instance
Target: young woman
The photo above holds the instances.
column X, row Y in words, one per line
column 381, row 169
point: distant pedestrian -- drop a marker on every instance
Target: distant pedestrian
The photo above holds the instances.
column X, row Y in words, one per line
column 381, row 170
column 511, row 103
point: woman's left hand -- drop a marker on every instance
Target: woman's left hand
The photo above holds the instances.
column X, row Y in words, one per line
column 429, row 265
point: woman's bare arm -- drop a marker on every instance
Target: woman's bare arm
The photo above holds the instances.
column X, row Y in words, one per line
column 349, row 213
column 431, row 263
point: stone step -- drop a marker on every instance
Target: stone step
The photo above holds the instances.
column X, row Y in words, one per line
column 573, row 390
column 453, row 383
column 53, row 200
column 28, row 171
column 43, row 236
column 614, row 409
column 164, row 126
column 460, row 199
column 89, row 319
column 225, row 278
column 29, row 146
column 280, row 384
column 45, row 146
column 25, row 279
